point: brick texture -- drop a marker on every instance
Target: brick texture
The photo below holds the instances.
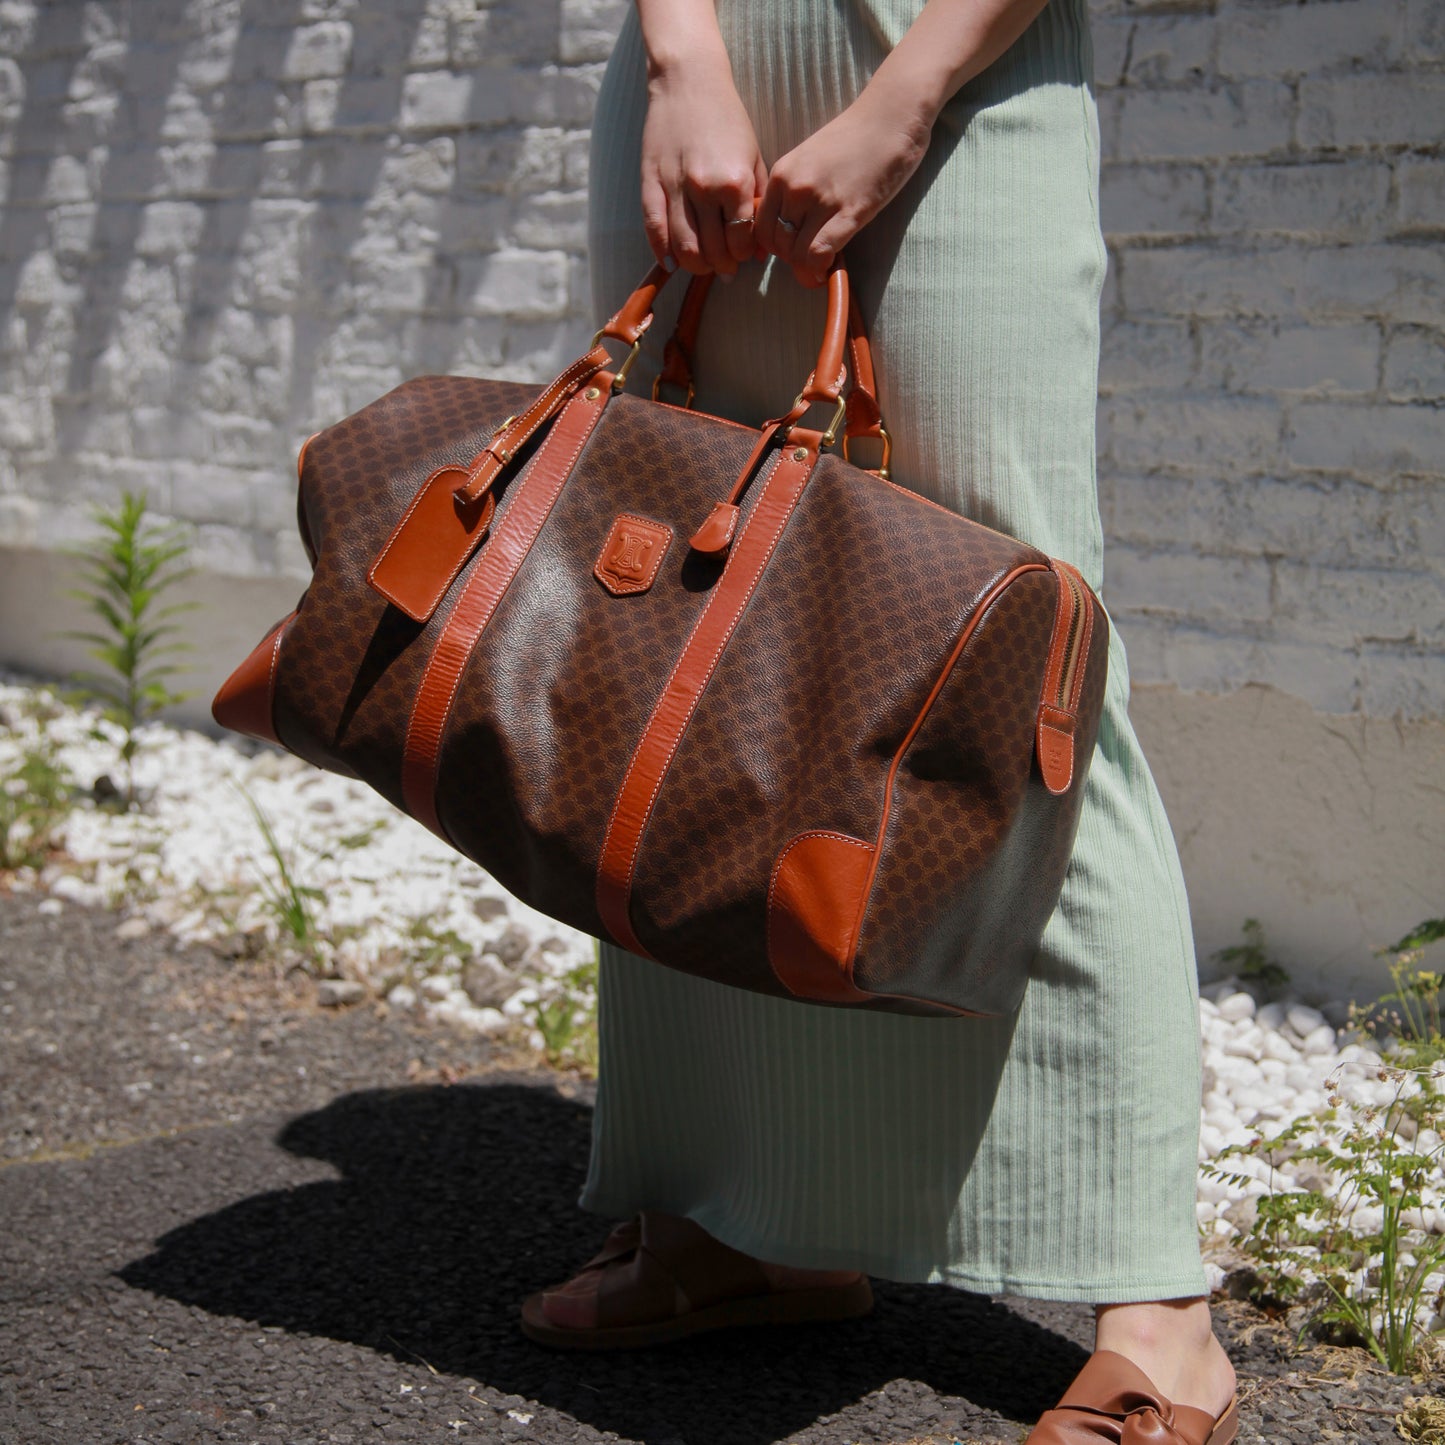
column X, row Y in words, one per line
column 1272, row 433
column 227, row 221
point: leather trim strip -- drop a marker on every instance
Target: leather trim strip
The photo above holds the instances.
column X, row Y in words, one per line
column 536, row 492
column 979, row 612
column 503, row 446
column 1063, row 680
column 694, row 667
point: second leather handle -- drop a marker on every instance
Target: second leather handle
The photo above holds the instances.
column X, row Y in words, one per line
column 829, row 373
column 864, row 416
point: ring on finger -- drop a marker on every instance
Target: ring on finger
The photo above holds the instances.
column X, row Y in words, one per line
column 741, row 221
column 788, row 226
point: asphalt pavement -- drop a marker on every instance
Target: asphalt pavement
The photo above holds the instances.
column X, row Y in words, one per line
column 230, row 1215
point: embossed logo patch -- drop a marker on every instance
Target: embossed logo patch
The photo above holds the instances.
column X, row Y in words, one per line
column 631, row 555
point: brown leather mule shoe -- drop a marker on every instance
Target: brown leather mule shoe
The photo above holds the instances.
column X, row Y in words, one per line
column 1113, row 1400
column 662, row 1278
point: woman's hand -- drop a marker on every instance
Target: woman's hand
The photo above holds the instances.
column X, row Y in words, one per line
column 824, row 191
column 701, row 169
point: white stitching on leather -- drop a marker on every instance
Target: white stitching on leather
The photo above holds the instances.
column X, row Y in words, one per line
column 396, row 531
column 631, row 860
column 437, row 660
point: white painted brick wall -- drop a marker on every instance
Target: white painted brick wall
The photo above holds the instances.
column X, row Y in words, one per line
column 225, row 222
column 1272, row 413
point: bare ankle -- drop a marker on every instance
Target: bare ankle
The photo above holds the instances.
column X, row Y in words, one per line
column 1173, row 1342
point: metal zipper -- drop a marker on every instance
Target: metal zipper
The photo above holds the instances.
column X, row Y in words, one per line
column 1071, row 641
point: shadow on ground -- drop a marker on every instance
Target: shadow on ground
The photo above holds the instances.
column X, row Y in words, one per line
column 454, row 1203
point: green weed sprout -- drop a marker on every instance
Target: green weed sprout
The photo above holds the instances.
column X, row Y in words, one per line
column 566, row 1017
column 288, row 901
column 129, row 570
column 1412, row 1010
column 1371, row 1282
column 34, row 798
column 1250, row 960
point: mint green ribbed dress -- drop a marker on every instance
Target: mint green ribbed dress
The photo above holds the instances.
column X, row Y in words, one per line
column 1049, row 1154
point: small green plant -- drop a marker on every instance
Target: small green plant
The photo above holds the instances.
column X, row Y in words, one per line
column 131, row 567
column 566, row 1017
column 1251, row 961
column 1411, row 1011
column 1369, row 1282
column 34, row 799
column 432, row 944
column 288, row 901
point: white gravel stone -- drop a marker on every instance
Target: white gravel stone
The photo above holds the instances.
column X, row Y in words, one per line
column 1246, row 1043
column 338, row 992
column 1304, row 1020
column 1237, row 1006
column 1270, row 1016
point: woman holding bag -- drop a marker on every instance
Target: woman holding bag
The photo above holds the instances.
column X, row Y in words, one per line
column 771, row 1153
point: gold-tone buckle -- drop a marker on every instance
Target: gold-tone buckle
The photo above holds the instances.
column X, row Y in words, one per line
column 882, row 468
column 829, row 436
column 619, row 379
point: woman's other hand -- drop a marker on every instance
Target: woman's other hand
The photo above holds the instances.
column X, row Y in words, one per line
column 825, row 190
column 701, row 168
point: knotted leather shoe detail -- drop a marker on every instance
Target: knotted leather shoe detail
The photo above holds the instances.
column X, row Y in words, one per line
column 1113, row 1400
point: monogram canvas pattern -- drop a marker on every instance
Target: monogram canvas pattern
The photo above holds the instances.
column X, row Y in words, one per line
column 832, row 661
column 562, row 682
column 950, row 885
column 800, row 724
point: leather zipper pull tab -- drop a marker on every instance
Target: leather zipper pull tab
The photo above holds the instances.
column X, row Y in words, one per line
column 715, row 535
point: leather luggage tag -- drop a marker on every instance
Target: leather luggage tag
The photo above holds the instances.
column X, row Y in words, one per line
column 450, row 515
column 632, row 554
column 432, row 543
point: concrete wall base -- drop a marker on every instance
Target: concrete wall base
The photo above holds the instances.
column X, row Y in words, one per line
column 1325, row 827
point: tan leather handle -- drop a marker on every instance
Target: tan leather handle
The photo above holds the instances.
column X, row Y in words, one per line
column 826, row 381
column 634, row 316
column 864, row 418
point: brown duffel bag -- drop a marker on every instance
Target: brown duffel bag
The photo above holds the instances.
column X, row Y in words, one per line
column 710, row 691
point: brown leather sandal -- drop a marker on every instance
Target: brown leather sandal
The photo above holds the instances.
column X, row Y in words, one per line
column 662, row 1278
column 1113, row 1400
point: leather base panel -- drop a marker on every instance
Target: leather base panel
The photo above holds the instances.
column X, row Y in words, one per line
column 814, row 900
column 246, row 700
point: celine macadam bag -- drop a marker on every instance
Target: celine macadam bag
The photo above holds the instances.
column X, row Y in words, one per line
column 711, row 691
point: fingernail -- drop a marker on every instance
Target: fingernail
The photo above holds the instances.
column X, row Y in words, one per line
column 669, row 265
